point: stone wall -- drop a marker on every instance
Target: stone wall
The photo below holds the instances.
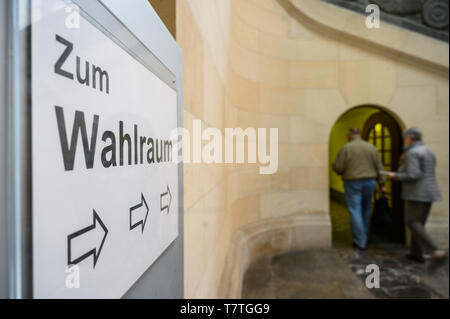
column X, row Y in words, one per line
column 202, row 32
column 290, row 65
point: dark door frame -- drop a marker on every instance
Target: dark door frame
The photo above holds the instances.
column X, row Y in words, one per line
column 388, row 121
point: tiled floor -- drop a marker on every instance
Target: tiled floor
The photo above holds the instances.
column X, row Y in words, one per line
column 340, row 272
column 399, row 277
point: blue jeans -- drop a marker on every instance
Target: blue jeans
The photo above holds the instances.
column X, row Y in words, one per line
column 358, row 195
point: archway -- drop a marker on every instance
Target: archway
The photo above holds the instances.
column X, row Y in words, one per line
column 382, row 129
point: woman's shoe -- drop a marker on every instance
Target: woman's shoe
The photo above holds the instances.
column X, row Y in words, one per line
column 417, row 259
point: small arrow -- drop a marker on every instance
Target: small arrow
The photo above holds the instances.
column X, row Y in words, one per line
column 138, row 214
column 166, row 200
column 80, row 243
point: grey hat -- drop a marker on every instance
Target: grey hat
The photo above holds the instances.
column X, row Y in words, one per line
column 414, row 132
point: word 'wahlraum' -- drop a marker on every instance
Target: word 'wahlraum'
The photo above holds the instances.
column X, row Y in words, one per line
column 155, row 150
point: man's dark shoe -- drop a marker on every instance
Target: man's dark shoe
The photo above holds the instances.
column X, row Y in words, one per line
column 359, row 247
column 417, row 259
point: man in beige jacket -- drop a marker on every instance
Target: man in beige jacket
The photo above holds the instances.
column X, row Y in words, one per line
column 360, row 166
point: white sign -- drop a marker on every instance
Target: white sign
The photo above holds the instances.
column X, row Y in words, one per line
column 105, row 188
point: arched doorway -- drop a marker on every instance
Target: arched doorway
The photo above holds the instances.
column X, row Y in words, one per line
column 382, row 130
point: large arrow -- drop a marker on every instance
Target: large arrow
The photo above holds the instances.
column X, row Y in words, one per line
column 166, row 200
column 86, row 242
column 138, row 214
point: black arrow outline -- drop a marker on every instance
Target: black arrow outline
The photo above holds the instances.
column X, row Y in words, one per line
column 94, row 252
column 161, row 199
column 141, row 222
